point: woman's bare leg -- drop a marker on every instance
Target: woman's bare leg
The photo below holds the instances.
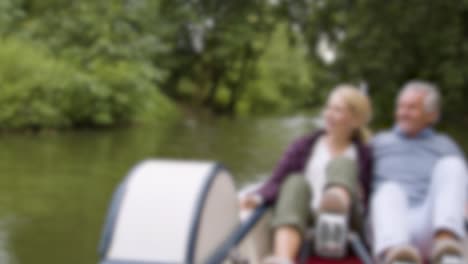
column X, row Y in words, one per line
column 287, row 242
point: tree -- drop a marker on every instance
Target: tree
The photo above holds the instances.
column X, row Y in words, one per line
column 219, row 43
column 386, row 44
column 82, row 63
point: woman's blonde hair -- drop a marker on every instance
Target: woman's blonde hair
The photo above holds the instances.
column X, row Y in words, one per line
column 360, row 105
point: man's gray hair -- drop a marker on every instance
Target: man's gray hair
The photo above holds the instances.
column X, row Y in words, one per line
column 432, row 98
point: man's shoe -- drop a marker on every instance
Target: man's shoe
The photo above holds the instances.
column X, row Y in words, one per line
column 402, row 255
column 447, row 251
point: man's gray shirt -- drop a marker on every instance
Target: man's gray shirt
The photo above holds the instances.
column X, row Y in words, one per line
column 410, row 161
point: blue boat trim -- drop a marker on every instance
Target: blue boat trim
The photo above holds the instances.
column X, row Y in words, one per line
column 233, row 241
column 360, row 248
column 112, row 215
column 107, row 234
column 192, row 241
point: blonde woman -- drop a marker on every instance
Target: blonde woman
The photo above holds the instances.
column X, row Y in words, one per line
column 327, row 171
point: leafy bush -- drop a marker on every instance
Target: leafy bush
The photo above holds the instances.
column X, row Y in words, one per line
column 39, row 90
column 10, row 12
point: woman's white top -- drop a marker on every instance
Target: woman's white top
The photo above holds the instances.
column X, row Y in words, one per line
column 315, row 171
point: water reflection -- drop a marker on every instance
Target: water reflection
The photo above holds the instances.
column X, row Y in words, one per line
column 58, row 185
column 5, row 256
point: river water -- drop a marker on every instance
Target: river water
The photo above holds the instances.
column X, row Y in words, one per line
column 55, row 187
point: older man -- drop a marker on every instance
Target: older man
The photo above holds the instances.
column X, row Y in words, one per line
column 420, row 185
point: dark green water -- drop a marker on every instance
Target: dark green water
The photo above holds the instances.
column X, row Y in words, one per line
column 55, row 188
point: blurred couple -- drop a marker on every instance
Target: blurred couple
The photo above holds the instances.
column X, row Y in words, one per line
column 404, row 189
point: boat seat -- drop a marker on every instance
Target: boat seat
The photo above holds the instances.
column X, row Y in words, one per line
column 170, row 212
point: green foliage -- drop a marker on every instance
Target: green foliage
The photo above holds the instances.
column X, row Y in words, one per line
column 109, row 59
column 86, row 63
column 85, row 30
column 10, row 12
column 38, row 90
column 282, row 82
column 391, row 43
column 233, row 36
column 107, row 62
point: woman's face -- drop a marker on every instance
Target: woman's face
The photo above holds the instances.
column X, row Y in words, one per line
column 338, row 117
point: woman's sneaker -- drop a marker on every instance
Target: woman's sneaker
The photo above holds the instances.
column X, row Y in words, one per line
column 331, row 235
column 447, row 251
column 331, row 230
column 402, row 255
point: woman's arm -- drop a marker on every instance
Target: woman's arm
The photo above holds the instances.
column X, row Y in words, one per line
column 293, row 160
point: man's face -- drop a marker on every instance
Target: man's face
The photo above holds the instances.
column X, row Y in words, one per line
column 411, row 114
